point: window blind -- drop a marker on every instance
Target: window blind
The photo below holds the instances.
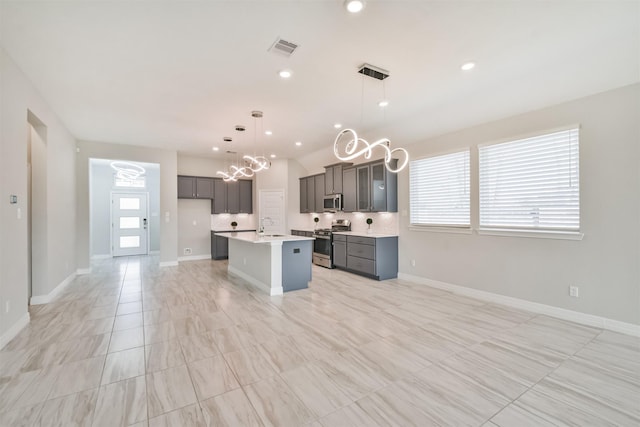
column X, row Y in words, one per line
column 439, row 190
column 531, row 183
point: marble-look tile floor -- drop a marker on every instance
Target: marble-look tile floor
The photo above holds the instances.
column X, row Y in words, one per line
column 135, row 345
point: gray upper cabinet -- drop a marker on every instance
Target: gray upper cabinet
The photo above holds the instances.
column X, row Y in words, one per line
column 245, row 189
column 311, row 193
column 376, row 189
column 232, row 197
column 363, row 186
column 186, row 187
column 349, row 193
column 204, row 188
column 319, row 196
column 195, row 187
column 333, row 178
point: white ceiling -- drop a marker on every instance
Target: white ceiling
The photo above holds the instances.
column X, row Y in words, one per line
column 180, row 74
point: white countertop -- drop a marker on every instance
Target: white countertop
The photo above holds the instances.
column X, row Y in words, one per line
column 364, row 234
column 254, row 238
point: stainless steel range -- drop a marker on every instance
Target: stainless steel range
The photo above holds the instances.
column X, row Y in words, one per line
column 323, row 245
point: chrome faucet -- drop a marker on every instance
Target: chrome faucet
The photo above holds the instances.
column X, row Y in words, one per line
column 261, row 224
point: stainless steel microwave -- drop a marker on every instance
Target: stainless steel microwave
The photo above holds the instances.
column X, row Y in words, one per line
column 332, row 203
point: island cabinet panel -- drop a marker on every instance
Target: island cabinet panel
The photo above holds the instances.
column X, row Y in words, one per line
column 232, row 197
column 220, row 245
column 296, row 264
column 374, row 257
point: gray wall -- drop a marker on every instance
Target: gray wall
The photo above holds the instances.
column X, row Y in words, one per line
column 604, row 264
column 101, row 186
column 19, row 97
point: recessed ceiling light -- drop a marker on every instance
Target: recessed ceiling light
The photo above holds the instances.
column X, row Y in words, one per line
column 468, row 66
column 273, row 156
column 337, row 126
column 285, row 74
column 383, row 103
column 354, row 6
column 268, row 132
column 215, row 148
column 298, row 143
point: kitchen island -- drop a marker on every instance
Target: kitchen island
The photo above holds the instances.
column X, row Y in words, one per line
column 275, row 263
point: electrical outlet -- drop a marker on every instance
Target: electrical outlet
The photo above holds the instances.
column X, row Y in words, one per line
column 7, row 306
column 187, row 251
column 574, row 291
column 413, row 263
column 244, row 261
column 195, row 222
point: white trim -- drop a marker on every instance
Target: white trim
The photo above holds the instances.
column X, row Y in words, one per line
column 82, row 271
column 536, row 234
column 154, row 252
column 14, row 330
column 561, row 313
column 441, row 229
column 45, row 299
column 270, row 290
column 101, row 256
column 168, row 264
column 528, row 135
column 194, row 257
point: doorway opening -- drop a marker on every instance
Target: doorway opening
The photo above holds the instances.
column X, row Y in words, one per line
column 124, row 208
column 36, row 206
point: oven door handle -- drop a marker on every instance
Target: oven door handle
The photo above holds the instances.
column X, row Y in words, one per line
column 323, row 237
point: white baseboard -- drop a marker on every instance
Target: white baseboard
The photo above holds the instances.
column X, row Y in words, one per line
column 101, row 256
column 561, row 313
column 45, row 299
column 82, row 271
column 14, row 330
column 194, row 257
column 168, row 263
column 255, row 282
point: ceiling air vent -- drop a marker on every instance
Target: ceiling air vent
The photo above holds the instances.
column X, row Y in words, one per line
column 373, row 71
column 283, row 47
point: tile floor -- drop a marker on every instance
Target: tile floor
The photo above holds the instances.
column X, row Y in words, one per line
column 132, row 344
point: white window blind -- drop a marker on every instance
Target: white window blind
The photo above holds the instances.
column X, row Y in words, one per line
column 531, row 183
column 439, row 190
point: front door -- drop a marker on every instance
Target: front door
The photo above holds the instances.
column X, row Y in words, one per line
column 129, row 223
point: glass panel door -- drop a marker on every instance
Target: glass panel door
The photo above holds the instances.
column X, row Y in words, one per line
column 362, row 177
column 129, row 221
column 378, row 190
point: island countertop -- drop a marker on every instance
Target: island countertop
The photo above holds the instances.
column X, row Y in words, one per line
column 265, row 239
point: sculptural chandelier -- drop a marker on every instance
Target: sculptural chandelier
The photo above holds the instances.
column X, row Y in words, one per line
column 346, row 149
column 350, row 147
column 249, row 165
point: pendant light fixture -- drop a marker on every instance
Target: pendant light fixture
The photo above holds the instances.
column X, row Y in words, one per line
column 348, row 146
column 256, row 163
column 237, row 170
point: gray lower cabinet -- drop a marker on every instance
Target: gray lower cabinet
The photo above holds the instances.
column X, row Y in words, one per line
column 375, row 257
column 340, row 251
column 220, row 245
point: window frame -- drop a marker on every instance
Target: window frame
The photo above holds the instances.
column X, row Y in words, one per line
column 547, row 233
column 447, row 228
